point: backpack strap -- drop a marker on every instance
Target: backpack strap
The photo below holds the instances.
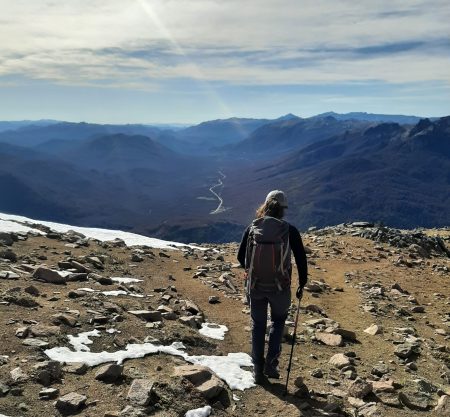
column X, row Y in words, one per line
column 251, row 283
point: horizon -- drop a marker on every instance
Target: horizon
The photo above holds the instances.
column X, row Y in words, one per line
column 194, row 123
column 186, row 62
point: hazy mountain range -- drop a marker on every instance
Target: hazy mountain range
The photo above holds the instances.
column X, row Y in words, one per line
column 203, row 182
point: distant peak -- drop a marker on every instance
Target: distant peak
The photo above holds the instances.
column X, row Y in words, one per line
column 288, row 116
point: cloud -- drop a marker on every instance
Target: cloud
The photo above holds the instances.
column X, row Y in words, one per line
column 155, row 44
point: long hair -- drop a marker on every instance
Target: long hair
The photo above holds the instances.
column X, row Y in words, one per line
column 270, row 208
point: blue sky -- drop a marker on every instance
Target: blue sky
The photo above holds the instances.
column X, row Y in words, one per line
column 144, row 61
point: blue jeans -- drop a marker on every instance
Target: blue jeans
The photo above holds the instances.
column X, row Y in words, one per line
column 279, row 302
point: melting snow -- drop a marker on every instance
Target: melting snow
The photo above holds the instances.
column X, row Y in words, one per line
column 226, row 367
column 199, row 412
column 8, row 223
column 113, row 293
column 80, row 341
column 125, row 280
column 213, row 330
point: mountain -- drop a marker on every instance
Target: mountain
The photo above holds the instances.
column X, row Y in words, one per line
column 216, row 133
column 36, row 135
column 395, row 174
column 178, row 188
column 13, row 125
column 371, row 117
column 292, row 133
column 120, row 152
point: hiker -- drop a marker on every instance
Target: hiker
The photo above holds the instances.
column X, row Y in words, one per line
column 265, row 253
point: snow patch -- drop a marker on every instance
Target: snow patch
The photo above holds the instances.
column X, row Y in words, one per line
column 113, row 293
column 199, row 412
column 213, row 330
column 13, row 227
column 228, row 368
column 80, row 341
column 126, row 280
column 8, row 223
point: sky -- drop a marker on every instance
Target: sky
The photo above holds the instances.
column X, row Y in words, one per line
column 186, row 61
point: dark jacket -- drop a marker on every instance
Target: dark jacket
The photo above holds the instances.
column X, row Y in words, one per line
column 295, row 241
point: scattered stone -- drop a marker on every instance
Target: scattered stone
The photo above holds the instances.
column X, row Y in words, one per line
column 147, row 315
column 48, row 275
column 109, row 373
column 71, row 403
column 443, row 406
column 66, row 319
column 48, row 393
column 317, row 373
column 79, row 368
column 140, row 392
column 360, row 388
column 414, row 402
column 213, row 299
column 34, row 342
column 404, row 350
column 18, row 375
column 340, row 361
column 9, row 275
column 374, row 329
column 329, row 339
column 189, row 321
column 47, row 372
column 383, row 386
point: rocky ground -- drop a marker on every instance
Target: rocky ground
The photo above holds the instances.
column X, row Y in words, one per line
column 372, row 338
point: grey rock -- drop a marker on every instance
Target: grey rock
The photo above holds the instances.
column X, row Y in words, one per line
column 414, row 401
column 140, row 392
column 360, row 388
column 339, row 361
column 71, row 403
column 18, row 375
column 147, row 315
column 47, row 372
column 66, row 319
column 48, row 393
column 404, row 350
column 48, row 275
column 9, row 275
column 34, row 342
column 109, row 373
column 79, row 368
column 443, row 406
column 329, row 339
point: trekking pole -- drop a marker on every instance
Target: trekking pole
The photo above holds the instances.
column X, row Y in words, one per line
column 294, row 335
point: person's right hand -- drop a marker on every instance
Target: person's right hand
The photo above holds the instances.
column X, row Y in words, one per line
column 299, row 293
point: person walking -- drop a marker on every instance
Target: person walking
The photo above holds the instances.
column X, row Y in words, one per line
column 265, row 254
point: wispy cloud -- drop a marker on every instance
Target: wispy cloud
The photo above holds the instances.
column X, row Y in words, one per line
column 159, row 45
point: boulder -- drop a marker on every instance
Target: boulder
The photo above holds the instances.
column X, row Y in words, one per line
column 147, row 315
column 360, row 388
column 443, row 406
column 204, row 380
column 373, row 330
column 340, row 361
column 70, row 403
column 48, row 393
column 329, row 339
column 140, row 392
column 109, row 373
column 51, row 276
column 47, row 372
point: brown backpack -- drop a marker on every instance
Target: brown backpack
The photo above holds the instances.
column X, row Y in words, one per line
column 268, row 255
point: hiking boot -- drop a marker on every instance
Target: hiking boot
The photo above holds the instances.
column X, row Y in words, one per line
column 259, row 377
column 271, row 370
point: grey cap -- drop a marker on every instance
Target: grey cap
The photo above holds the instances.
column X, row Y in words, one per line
column 279, row 196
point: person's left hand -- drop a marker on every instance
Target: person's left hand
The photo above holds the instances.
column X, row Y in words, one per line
column 299, row 293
